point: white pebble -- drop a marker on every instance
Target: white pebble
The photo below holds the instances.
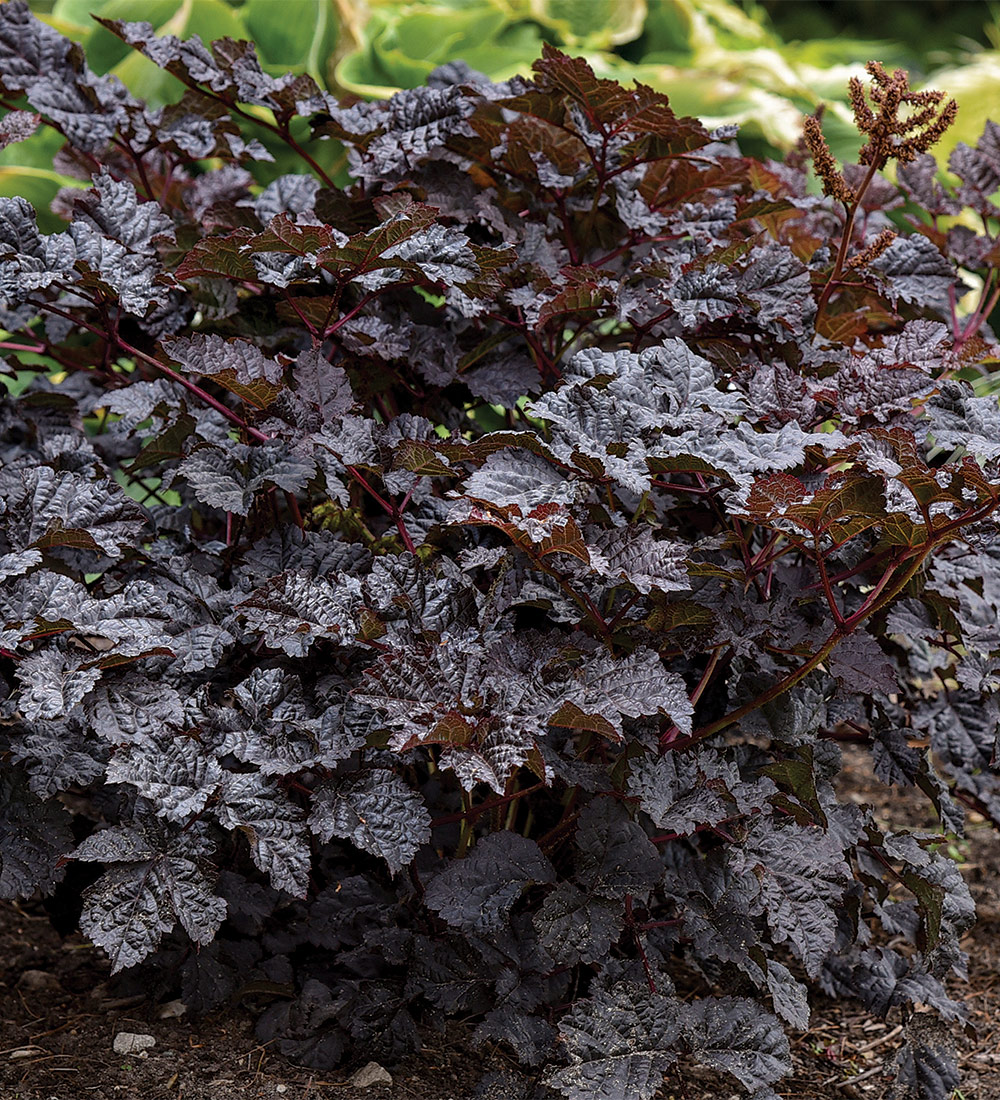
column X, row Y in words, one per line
column 371, row 1074
column 128, row 1042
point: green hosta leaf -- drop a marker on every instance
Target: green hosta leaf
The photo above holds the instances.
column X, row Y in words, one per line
column 104, row 50
column 594, row 24
column 293, row 34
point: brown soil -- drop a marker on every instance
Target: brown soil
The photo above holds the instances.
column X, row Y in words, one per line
column 60, row 1018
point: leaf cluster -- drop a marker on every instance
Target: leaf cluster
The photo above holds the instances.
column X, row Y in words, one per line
column 446, row 595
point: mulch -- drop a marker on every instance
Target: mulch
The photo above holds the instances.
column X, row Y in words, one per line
column 60, row 1016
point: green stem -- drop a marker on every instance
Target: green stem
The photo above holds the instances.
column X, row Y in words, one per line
column 465, row 834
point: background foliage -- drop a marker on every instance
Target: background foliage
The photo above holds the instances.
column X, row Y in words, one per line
column 759, row 65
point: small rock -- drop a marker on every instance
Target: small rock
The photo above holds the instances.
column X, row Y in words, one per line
column 128, row 1042
column 37, row 980
column 281, row 1088
column 371, row 1074
column 172, row 1010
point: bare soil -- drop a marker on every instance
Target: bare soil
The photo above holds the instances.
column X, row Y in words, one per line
column 60, row 1015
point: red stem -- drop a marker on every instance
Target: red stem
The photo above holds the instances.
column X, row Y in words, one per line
column 638, row 943
column 301, row 316
column 404, row 534
column 667, row 838
column 114, row 338
column 875, row 600
column 624, row 611
column 670, row 486
column 189, row 385
column 293, row 507
column 280, row 132
column 845, row 244
column 34, row 349
column 671, row 734
column 394, row 513
column 982, row 312
column 485, row 807
column 329, row 330
column 363, row 482
column 831, row 599
column 707, row 674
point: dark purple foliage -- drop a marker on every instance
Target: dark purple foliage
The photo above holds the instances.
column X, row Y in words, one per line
column 445, row 593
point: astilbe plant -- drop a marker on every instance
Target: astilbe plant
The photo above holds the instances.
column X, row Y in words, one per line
column 445, row 595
